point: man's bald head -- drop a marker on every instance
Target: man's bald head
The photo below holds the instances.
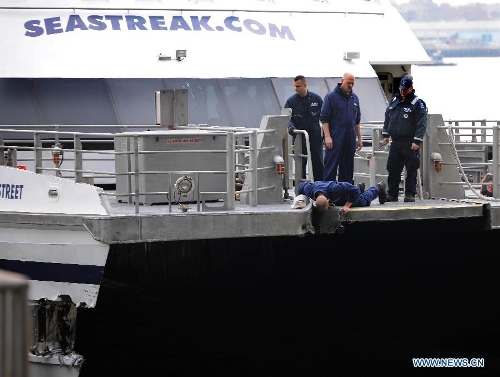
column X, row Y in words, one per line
column 322, row 203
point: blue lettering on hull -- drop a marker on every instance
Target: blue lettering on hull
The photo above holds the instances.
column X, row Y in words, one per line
column 56, row 25
column 11, row 191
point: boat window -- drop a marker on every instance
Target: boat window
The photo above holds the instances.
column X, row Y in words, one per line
column 216, row 102
column 205, row 101
column 134, row 99
column 75, row 101
column 18, row 103
column 284, row 87
column 248, row 100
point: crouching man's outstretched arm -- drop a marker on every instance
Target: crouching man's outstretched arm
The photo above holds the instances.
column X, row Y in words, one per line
column 346, row 208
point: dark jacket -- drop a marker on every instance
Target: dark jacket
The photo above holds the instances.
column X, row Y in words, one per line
column 337, row 192
column 405, row 119
column 340, row 111
column 305, row 110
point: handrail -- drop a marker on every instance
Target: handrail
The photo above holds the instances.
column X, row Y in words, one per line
column 81, row 161
column 464, row 158
column 85, row 161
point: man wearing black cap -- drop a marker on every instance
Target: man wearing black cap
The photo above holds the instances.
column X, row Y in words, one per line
column 405, row 123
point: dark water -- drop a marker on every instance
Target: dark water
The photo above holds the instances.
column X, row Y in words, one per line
column 328, row 306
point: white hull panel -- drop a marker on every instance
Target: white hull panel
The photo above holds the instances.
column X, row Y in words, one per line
column 58, row 262
column 26, row 192
column 80, row 42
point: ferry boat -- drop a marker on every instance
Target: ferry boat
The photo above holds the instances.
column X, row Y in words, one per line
column 129, row 123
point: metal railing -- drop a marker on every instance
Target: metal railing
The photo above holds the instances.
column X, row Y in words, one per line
column 464, row 151
column 454, row 153
column 95, row 158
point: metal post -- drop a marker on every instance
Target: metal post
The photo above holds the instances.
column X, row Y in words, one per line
column 297, row 156
column 495, row 168
column 286, row 153
column 252, row 167
column 37, row 144
column 78, row 159
column 231, row 174
column 13, row 324
column 2, row 150
column 129, row 169
column 373, row 160
column 136, row 172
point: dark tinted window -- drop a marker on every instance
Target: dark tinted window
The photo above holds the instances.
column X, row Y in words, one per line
column 284, row 88
column 248, row 100
column 75, row 101
column 134, row 99
column 216, row 102
column 18, row 103
column 205, row 101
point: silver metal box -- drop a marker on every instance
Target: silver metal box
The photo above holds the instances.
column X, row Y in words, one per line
column 164, row 156
column 171, row 108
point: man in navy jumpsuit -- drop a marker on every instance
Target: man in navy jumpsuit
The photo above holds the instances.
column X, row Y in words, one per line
column 343, row 194
column 340, row 117
column 405, row 123
column 306, row 106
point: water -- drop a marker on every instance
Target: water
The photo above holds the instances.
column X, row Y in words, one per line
column 325, row 306
column 467, row 91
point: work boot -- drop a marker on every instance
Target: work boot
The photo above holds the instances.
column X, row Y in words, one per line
column 392, row 198
column 409, row 198
column 361, row 186
column 382, row 192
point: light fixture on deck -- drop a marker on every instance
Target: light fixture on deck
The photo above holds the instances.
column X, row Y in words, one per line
column 184, row 185
column 368, row 158
column 438, row 161
column 280, row 164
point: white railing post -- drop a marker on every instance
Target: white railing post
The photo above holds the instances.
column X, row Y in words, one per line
column 38, row 158
column 136, row 173
column 231, row 174
column 78, row 158
column 495, row 170
column 252, row 167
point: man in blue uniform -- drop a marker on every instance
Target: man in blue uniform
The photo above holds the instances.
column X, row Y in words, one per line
column 306, row 106
column 340, row 117
column 342, row 194
column 405, row 123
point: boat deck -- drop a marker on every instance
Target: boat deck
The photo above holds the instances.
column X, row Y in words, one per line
column 155, row 223
column 171, row 223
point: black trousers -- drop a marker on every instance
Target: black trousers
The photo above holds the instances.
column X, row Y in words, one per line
column 402, row 156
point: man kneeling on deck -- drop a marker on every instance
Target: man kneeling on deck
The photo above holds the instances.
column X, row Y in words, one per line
column 342, row 194
column 487, row 190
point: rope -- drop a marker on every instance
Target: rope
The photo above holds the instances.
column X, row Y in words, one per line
column 451, row 137
column 339, row 228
